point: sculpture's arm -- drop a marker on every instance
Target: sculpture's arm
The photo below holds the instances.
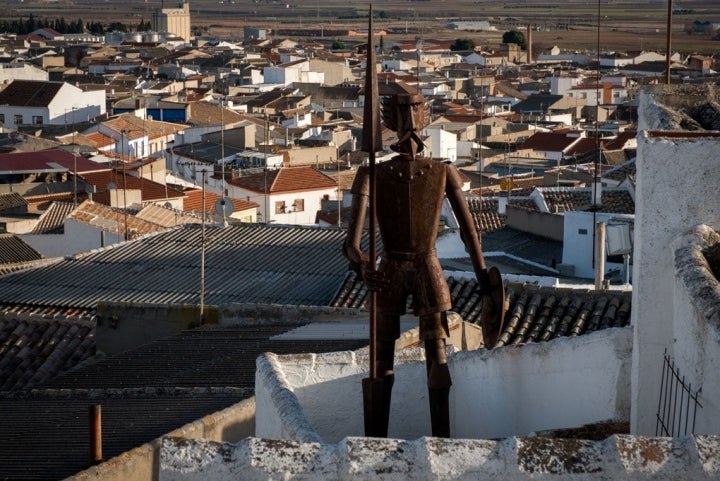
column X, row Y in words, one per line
column 468, row 232
column 361, row 192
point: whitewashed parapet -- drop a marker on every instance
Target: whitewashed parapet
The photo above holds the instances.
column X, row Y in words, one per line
column 618, row 458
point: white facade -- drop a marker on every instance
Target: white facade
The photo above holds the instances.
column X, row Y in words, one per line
column 77, row 237
column 285, row 74
column 21, row 71
column 443, row 144
column 579, row 241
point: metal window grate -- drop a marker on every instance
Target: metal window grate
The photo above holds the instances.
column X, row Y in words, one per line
column 677, row 404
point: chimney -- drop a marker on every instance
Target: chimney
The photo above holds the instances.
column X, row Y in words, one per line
column 529, row 43
column 95, row 434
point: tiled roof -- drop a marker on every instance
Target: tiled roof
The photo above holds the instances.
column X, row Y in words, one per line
column 113, row 220
column 622, row 171
column 100, row 140
column 34, row 350
column 206, row 113
column 542, row 314
column 52, row 221
column 145, row 393
column 584, row 146
column 617, row 201
column 135, row 127
column 620, row 141
column 485, row 214
column 12, row 200
column 193, row 202
column 286, row 179
column 166, row 217
column 29, row 93
column 534, row 314
column 245, row 263
column 14, row 250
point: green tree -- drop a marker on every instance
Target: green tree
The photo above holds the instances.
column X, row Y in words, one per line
column 463, row 44
column 337, row 45
column 515, row 36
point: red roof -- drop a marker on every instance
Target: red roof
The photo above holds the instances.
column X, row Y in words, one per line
column 548, row 142
column 287, row 179
column 47, row 161
column 150, row 190
column 193, row 202
column 622, row 138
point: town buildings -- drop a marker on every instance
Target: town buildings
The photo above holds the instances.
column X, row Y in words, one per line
column 119, row 248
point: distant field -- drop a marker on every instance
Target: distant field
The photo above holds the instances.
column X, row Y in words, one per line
column 624, row 25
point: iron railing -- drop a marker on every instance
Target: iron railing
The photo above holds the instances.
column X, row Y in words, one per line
column 678, row 403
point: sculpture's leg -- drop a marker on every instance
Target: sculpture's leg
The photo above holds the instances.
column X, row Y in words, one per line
column 439, row 382
column 382, row 386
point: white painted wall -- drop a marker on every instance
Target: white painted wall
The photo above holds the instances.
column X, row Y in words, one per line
column 696, row 326
column 78, row 237
column 564, row 383
column 676, row 188
column 578, row 241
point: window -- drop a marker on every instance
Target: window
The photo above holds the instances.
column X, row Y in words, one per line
column 582, row 231
column 299, row 205
column 2, row 118
column 280, row 207
column 37, row 119
column 18, row 119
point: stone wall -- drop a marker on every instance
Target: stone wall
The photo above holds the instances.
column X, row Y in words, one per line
column 618, row 458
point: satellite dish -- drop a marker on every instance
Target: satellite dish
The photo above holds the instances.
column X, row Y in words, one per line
column 111, row 186
column 167, row 205
column 224, row 207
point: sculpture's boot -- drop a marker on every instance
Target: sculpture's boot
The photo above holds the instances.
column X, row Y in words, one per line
column 439, row 383
column 377, row 394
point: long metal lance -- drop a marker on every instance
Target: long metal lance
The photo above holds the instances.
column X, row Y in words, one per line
column 372, row 142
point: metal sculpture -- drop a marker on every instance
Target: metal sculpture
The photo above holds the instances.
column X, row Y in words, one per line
column 405, row 197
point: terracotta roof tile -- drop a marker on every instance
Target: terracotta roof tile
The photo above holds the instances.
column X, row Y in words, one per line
column 534, row 314
column 548, row 142
column 286, row 179
column 193, row 202
column 485, row 214
column 112, row 220
column 52, row 221
column 34, row 350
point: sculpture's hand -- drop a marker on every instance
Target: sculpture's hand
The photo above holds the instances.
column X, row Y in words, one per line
column 357, row 259
column 374, row 280
column 494, row 304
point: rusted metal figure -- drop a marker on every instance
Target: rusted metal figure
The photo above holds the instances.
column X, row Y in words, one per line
column 409, row 197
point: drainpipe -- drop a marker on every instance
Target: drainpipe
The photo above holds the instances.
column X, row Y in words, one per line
column 599, row 255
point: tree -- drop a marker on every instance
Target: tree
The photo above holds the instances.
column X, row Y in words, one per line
column 515, row 36
column 337, row 45
column 463, row 44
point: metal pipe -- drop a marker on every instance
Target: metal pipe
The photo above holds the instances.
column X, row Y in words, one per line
column 95, row 433
column 599, row 255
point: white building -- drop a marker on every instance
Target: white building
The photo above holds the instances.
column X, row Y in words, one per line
column 30, row 102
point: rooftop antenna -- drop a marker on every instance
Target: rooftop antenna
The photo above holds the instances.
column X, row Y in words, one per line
column 595, row 201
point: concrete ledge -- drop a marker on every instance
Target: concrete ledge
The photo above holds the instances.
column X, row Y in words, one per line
column 529, row 458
